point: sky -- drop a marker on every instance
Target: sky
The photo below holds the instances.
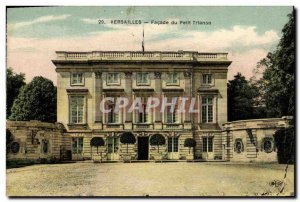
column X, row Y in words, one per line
column 246, row 33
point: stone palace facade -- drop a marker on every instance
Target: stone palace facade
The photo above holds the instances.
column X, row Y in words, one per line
column 84, row 79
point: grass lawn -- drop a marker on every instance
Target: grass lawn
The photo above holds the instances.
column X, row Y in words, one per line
column 153, row 179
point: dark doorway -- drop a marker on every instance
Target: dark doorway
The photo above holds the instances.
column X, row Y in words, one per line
column 143, row 148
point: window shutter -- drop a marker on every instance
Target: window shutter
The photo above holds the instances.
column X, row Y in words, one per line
column 109, row 78
column 176, row 117
column 169, row 78
column 116, row 117
column 175, row 77
column 74, row 80
column 117, row 78
column 80, row 78
column 139, row 77
column 145, row 77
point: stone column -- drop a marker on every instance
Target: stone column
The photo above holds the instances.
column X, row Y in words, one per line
column 195, row 117
column 128, row 94
column 158, row 93
column 188, row 94
column 98, row 96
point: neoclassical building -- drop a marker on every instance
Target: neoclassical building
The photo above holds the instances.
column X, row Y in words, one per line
column 84, row 79
column 90, row 86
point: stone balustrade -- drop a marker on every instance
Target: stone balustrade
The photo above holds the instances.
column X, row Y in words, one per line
column 258, row 123
column 139, row 55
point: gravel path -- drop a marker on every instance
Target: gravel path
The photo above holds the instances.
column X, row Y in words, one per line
column 153, row 179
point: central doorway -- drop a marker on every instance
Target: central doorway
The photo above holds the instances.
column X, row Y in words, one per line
column 143, row 148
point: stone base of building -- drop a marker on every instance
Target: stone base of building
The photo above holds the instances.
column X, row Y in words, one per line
column 239, row 141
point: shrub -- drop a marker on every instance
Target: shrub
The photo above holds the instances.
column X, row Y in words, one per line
column 189, row 142
column 127, row 138
column 285, row 143
column 157, row 139
column 97, row 142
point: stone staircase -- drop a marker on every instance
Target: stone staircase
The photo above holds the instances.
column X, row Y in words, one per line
column 251, row 144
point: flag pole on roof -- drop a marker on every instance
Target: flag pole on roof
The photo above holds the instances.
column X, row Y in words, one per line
column 143, row 45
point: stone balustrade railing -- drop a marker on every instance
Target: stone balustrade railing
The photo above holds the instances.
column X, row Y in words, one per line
column 258, row 123
column 149, row 55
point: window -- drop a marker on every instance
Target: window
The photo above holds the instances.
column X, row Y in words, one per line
column 173, row 144
column 142, row 78
column 238, row 146
column 77, row 109
column 208, row 144
column 113, row 78
column 207, row 110
column 112, row 117
column 172, row 117
column 77, row 79
column 268, row 145
column 207, row 79
column 142, row 117
column 77, row 145
column 112, row 144
column 173, row 78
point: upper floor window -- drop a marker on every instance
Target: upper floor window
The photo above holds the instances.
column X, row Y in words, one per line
column 112, row 117
column 77, row 79
column 77, row 109
column 207, row 79
column 142, row 115
column 207, row 110
column 142, row 78
column 173, row 78
column 172, row 116
column 113, row 78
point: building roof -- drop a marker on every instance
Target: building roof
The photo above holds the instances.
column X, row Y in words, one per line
column 64, row 57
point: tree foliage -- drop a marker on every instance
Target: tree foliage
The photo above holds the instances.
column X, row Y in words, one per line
column 157, row 140
column 97, row 142
column 14, row 82
column 278, row 81
column 285, row 143
column 241, row 99
column 190, row 142
column 36, row 101
column 127, row 138
column 278, row 87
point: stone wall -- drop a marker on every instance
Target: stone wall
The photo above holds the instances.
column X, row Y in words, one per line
column 34, row 140
column 248, row 141
column 252, row 140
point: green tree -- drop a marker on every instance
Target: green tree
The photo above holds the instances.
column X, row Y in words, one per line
column 36, row 101
column 285, row 143
column 278, row 81
column 241, row 98
column 127, row 138
column 156, row 140
column 97, row 142
column 278, row 85
column 190, row 143
column 14, row 82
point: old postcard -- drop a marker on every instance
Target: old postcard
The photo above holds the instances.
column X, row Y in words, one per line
column 150, row 101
